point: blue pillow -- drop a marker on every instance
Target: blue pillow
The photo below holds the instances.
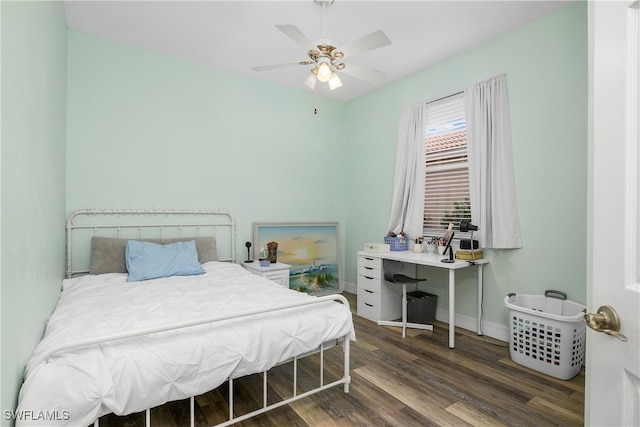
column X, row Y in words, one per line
column 146, row 260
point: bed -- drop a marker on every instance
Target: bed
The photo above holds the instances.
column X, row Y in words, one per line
column 119, row 345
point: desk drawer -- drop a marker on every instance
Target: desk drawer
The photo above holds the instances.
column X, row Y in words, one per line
column 369, row 305
column 370, row 262
column 369, row 297
column 374, row 273
column 369, row 283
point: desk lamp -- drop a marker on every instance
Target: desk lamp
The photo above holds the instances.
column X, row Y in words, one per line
column 465, row 225
column 248, row 245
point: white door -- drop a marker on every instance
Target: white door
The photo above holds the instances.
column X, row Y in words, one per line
column 613, row 366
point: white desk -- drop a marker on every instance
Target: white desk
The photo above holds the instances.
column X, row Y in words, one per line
column 434, row 260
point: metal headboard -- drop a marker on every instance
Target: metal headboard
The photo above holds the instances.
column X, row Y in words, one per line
column 145, row 223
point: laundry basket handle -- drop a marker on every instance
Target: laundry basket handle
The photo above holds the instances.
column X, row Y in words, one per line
column 555, row 294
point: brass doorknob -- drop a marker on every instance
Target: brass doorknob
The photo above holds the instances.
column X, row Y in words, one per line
column 606, row 320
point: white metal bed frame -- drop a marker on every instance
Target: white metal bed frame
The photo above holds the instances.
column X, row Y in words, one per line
column 215, row 222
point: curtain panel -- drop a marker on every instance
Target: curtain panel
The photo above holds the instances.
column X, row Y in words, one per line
column 491, row 176
column 407, row 206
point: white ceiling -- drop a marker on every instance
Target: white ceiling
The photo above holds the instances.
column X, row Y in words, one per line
column 236, row 35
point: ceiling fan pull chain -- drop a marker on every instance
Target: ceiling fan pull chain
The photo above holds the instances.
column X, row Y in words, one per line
column 315, row 100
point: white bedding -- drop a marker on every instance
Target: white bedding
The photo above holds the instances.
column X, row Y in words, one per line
column 133, row 374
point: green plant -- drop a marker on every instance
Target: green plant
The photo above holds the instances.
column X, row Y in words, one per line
column 460, row 210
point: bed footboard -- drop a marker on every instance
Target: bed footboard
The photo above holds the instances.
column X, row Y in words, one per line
column 266, row 407
column 345, row 380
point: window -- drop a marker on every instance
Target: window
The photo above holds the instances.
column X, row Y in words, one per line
column 446, row 196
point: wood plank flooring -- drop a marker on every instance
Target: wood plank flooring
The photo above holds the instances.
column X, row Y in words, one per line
column 395, row 381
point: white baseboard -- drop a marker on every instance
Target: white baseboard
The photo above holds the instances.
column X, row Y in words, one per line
column 493, row 330
column 469, row 323
column 350, row 288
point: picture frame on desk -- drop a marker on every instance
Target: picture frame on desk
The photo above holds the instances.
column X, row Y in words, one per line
column 312, row 249
column 448, row 249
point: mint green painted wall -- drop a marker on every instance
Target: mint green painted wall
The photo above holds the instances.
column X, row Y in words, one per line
column 153, row 131
column 546, row 67
column 34, row 53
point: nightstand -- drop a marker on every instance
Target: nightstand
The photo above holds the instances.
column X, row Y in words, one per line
column 277, row 272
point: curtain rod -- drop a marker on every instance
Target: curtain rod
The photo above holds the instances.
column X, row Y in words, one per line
column 444, row 97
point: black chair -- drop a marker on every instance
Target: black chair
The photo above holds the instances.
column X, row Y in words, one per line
column 392, row 274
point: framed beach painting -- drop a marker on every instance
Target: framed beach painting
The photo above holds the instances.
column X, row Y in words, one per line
column 312, row 250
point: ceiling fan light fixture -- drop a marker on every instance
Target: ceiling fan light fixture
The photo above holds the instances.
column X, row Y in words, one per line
column 311, row 80
column 334, row 82
column 324, row 72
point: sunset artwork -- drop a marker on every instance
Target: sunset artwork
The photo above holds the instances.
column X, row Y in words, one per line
column 312, row 250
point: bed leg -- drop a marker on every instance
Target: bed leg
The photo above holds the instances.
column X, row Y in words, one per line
column 230, row 398
column 148, row 417
column 321, row 364
column 346, row 364
column 192, row 410
column 295, row 376
column 264, row 389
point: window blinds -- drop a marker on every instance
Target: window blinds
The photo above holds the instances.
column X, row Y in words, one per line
column 447, row 174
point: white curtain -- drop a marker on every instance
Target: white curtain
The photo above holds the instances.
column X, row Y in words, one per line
column 491, row 178
column 407, row 207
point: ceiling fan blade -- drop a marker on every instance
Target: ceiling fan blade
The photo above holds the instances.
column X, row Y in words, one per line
column 363, row 73
column 281, row 65
column 371, row 41
column 297, row 36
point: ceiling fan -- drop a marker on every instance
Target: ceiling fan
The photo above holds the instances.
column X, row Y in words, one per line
column 327, row 59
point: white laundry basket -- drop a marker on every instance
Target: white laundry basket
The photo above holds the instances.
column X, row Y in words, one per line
column 547, row 333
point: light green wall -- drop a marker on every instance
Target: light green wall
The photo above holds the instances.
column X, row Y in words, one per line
column 153, row 131
column 34, row 54
column 545, row 63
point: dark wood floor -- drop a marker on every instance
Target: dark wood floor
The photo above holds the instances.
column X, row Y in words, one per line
column 395, row 381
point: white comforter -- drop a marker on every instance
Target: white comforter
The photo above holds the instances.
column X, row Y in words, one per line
column 130, row 375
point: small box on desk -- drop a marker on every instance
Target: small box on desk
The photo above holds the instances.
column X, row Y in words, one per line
column 469, row 255
column 466, row 244
column 377, row 247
